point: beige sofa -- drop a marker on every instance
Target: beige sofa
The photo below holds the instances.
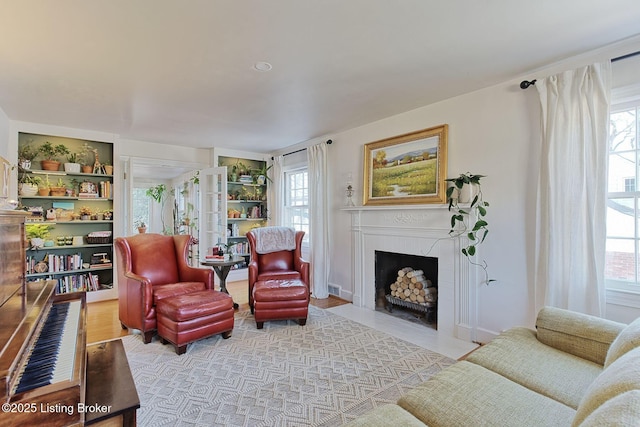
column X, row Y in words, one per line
column 574, row 370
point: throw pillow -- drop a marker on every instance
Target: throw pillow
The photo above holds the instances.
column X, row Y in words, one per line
column 621, row 411
column 626, row 340
column 623, row 375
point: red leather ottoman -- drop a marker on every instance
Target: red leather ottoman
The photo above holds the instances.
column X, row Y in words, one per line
column 183, row 319
column 280, row 300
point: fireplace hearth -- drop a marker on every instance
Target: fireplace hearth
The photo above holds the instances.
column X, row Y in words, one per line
column 421, row 231
column 406, row 286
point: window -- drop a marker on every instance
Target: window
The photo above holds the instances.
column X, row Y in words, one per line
column 141, row 208
column 623, row 204
column 296, row 200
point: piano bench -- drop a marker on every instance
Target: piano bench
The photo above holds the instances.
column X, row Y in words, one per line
column 186, row 318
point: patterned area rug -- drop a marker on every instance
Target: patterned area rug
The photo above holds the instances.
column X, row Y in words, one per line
column 323, row 374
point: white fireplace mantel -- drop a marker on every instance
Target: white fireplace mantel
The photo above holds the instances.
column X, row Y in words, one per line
column 416, row 230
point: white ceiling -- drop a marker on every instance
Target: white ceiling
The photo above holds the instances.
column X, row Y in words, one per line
column 180, row 72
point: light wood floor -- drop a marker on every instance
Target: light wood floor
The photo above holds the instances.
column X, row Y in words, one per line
column 103, row 323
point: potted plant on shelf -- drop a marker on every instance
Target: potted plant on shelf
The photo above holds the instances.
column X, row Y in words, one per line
column 59, row 189
column 26, row 154
column 108, row 168
column 37, row 233
column 85, row 213
column 28, row 184
column 72, row 165
column 44, row 187
column 260, row 176
column 50, row 153
column 476, row 210
column 85, row 158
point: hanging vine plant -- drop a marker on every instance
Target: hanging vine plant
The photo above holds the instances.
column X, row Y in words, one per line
column 463, row 215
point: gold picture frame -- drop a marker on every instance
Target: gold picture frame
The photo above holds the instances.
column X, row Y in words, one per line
column 406, row 169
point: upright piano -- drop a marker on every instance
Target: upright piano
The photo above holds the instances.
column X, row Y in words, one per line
column 42, row 341
column 48, row 375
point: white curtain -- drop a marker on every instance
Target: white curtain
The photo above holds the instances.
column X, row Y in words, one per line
column 318, row 219
column 276, row 192
column 570, row 247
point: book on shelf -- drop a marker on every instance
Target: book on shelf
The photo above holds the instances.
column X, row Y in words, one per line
column 101, row 265
column 87, row 195
column 78, row 283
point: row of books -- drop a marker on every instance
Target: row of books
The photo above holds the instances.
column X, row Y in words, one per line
column 62, row 263
column 78, row 282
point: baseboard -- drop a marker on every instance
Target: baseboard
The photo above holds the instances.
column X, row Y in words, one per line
column 337, row 290
column 484, row 336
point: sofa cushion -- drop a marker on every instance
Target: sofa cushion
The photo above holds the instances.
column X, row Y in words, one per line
column 517, row 355
column 585, row 336
column 385, row 416
column 621, row 376
column 466, row 394
column 626, row 340
column 621, row 411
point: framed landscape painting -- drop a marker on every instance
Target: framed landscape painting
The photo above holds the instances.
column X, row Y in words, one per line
column 406, row 169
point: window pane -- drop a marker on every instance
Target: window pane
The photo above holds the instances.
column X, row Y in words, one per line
column 620, row 260
column 623, row 130
column 621, row 216
column 622, row 168
column 297, row 201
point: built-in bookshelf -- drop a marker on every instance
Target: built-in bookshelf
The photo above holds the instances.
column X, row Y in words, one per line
column 75, row 221
column 246, row 201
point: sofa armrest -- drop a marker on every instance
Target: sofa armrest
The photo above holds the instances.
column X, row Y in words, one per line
column 588, row 337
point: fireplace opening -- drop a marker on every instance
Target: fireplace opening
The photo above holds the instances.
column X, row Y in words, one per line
column 407, row 286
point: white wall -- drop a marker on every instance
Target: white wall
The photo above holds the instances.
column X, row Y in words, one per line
column 494, row 132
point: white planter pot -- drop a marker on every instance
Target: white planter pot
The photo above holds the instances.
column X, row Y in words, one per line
column 72, row 167
column 28, row 190
column 466, row 193
column 37, row 242
column 25, row 164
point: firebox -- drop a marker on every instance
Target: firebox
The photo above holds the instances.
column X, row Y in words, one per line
column 407, row 286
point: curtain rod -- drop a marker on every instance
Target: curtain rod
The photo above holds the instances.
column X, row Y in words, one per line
column 329, row 142
column 525, row 84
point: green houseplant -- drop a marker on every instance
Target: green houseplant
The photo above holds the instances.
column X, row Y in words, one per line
column 36, row 233
column 463, row 215
column 28, row 184
column 26, row 153
column 72, row 164
column 50, row 154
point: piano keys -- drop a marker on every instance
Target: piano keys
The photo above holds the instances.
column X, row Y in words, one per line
column 52, row 357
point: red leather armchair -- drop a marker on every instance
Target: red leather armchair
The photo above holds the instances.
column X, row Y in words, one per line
column 152, row 267
column 281, row 265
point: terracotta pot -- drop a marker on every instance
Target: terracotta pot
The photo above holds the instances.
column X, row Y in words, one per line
column 108, row 169
column 58, row 191
column 50, row 165
column 87, row 169
column 43, row 191
column 142, row 230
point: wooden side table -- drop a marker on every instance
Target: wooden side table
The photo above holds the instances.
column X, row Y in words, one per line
column 222, row 268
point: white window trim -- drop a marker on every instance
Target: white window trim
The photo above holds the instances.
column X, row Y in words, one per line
column 289, row 169
column 622, row 98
